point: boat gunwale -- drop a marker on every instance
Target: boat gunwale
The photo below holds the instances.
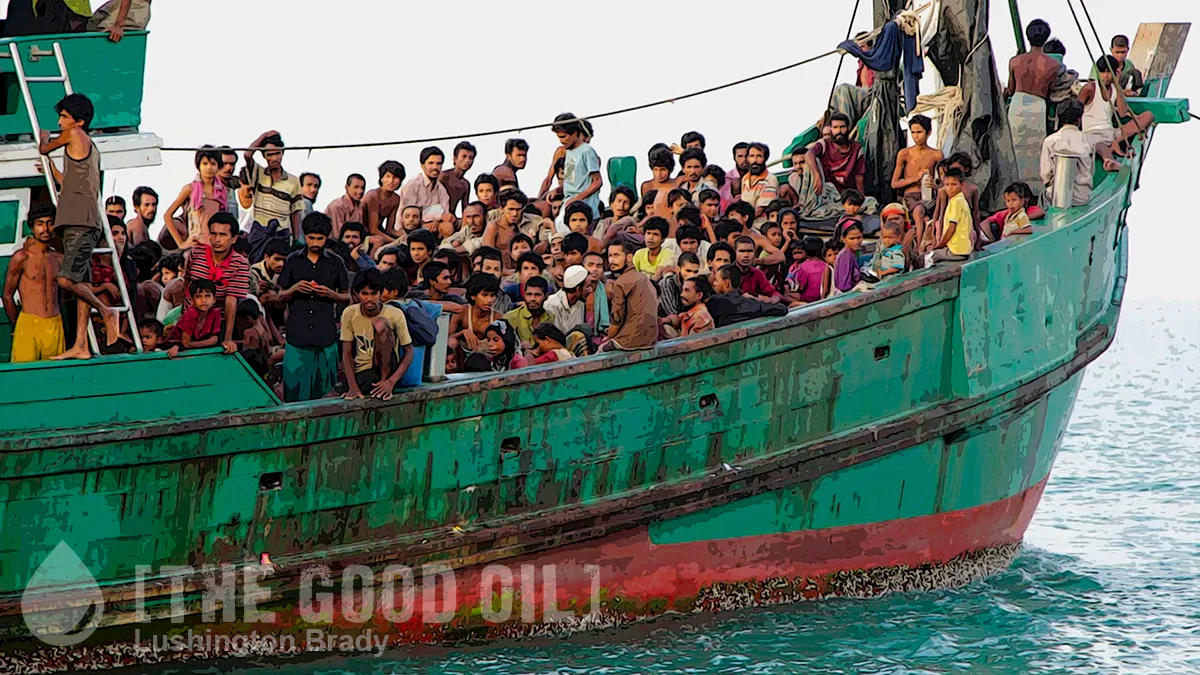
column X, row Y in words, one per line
column 667, row 500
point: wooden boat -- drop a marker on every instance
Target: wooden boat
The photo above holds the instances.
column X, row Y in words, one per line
column 891, row 440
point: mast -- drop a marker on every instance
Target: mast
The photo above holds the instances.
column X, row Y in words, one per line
column 1015, row 13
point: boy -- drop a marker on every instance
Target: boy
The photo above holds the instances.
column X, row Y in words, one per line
column 1016, row 219
column 77, row 220
column 662, row 165
column 200, row 324
column 376, row 347
column 37, row 329
column 581, row 176
column 654, row 260
column 380, row 205
column 889, row 254
column 151, row 331
column 957, row 226
column 852, row 202
column 914, row 172
column 550, row 342
column 420, row 247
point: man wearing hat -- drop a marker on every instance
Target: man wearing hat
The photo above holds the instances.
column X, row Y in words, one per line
column 566, row 307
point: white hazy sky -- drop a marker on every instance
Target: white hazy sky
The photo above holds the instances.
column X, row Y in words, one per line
column 378, row 69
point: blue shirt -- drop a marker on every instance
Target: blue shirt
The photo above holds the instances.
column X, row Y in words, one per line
column 581, row 163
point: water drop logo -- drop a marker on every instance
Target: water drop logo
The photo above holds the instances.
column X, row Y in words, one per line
column 62, row 603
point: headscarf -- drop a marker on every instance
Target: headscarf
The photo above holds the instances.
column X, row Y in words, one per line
column 219, row 193
column 501, row 361
column 894, row 209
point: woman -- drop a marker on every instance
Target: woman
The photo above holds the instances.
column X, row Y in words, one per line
column 199, row 200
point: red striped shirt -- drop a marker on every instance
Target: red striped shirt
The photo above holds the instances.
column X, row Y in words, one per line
column 231, row 276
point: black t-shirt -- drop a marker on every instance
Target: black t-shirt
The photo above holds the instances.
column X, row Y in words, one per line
column 312, row 319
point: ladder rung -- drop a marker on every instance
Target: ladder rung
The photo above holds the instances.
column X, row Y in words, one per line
column 101, row 250
column 46, row 79
column 119, row 310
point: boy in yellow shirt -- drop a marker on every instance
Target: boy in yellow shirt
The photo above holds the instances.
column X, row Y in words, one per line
column 655, row 260
column 954, row 244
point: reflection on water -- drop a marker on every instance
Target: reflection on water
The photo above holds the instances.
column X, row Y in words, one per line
column 1109, row 580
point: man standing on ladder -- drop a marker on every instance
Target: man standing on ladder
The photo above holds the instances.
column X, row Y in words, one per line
column 78, row 218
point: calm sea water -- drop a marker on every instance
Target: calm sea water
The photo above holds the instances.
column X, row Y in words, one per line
column 1109, row 580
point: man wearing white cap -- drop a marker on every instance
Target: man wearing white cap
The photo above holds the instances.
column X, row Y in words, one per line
column 566, row 307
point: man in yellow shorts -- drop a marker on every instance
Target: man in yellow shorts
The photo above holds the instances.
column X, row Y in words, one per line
column 38, row 332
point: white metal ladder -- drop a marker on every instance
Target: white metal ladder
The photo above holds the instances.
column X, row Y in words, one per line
column 126, row 307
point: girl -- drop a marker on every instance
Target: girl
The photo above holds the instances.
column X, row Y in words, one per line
column 809, row 277
column 199, row 200
column 501, row 342
column 549, row 341
column 846, row 273
column 468, row 328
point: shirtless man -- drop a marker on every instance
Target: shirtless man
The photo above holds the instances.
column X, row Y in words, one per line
column 914, row 166
column 38, row 329
column 1098, row 119
column 500, row 231
column 662, row 165
column 1033, row 72
column 380, row 206
column 516, row 154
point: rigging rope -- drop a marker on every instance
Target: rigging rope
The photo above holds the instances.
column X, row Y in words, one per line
column 544, row 125
column 838, row 73
column 1088, row 15
column 1082, row 34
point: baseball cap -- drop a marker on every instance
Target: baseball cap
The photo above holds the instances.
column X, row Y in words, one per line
column 574, row 276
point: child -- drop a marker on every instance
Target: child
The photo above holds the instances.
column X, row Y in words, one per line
column 809, row 276
column 852, row 202
column 581, row 179
column 550, row 342
column 1016, row 218
column 954, row 243
column 170, row 268
column 846, row 273
column 151, row 332
column 829, row 252
column 889, row 255
column 199, row 199
column 200, row 325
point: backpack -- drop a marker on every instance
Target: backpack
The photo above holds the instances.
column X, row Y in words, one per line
column 422, row 321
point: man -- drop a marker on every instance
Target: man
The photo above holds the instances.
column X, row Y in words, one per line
column 595, row 294
column 228, row 270
column 389, row 258
column 310, row 187
column 77, row 220
column 727, row 306
column 759, row 187
column 633, row 303
column 566, row 308
column 499, row 232
column 376, row 346
column 469, row 237
column 353, row 235
column 117, row 16
column 1069, row 141
column 838, row 159
column 421, row 245
column 581, row 177
column 115, row 206
column 754, row 282
column 381, row 204
column 1128, row 77
column 516, row 154
column 436, row 286
column 695, row 317
column 490, row 263
column 37, row 328
column 914, row 170
column 314, row 281
column 1103, row 106
column 458, row 187
column 276, row 193
column 654, row 260
column 424, row 191
column 733, row 178
column 670, row 293
column 691, row 165
column 225, row 174
column 349, row 207
column 145, row 206
column 486, row 189
column 533, row 313
column 1031, row 77
column 692, row 139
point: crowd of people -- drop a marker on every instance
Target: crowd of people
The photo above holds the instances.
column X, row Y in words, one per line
column 340, row 301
